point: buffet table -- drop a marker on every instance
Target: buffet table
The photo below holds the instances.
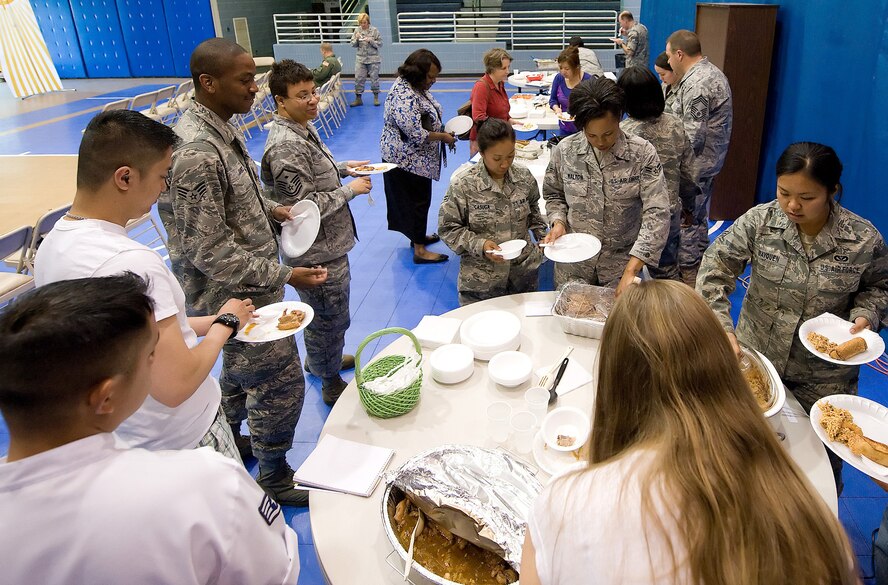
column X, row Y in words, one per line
column 347, row 530
column 520, row 81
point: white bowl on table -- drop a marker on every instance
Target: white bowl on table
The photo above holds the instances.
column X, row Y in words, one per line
column 510, row 368
column 566, row 421
column 452, row 363
column 518, row 111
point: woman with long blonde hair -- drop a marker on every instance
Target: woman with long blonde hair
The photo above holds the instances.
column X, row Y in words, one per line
column 686, row 482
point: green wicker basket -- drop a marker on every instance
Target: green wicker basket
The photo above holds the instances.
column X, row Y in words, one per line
column 396, row 403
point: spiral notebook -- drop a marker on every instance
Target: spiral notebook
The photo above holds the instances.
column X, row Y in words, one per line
column 344, row 466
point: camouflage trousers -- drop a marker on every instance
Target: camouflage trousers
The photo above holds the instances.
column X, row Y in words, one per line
column 518, row 282
column 362, row 72
column 667, row 269
column 694, row 239
column 597, row 271
column 325, row 335
column 263, row 383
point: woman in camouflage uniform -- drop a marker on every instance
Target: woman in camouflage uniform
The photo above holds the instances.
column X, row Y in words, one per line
column 809, row 256
column 495, row 201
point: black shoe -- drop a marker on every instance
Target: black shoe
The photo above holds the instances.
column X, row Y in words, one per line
column 420, row 260
column 331, row 391
column 242, row 442
column 432, row 239
column 278, row 484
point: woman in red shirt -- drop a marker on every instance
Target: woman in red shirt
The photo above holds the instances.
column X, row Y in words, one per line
column 489, row 98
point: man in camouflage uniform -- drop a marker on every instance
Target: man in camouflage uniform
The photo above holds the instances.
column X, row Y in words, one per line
column 222, row 230
column 298, row 167
column 844, row 273
column 609, row 184
column 367, row 39
column 636, row 45
column 666, row 133
column 477, row 214
column 703, row 102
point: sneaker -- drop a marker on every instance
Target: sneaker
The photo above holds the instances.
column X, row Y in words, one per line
column 278, row 484
column 331, row 391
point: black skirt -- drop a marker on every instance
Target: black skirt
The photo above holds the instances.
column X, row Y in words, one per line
column 407, row 199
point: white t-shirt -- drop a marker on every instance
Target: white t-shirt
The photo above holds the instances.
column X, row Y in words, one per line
column 95, row 511
column 91, row 247
column 588, row 527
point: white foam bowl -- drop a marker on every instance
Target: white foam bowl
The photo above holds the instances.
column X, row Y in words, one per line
column 566, row 420
column 510, row 368
column 452, row 363
column 518, row 111
column 489, row 332
column 512, row 249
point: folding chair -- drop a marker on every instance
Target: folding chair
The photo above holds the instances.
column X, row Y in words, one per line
column 118, row 105
column 144, row 102
column 44, row 226
column 15, row 283
column 164, row 112
column 147, row 227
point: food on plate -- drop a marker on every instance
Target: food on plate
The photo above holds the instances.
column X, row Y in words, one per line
column 446, row 554
column 821, row 343
column 759, row 384
column 527, row 125
column 249, row 327
column 582, row 301
column 565, row 440
column 366, row 168
column 522, row 96
column 522, row 143
column 291, row 320
column 840, row 427
column 849, row 349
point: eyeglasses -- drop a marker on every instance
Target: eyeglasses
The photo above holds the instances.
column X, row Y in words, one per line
column 307, row 97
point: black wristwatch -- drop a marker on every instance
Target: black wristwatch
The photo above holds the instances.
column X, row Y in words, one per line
column 229, row 320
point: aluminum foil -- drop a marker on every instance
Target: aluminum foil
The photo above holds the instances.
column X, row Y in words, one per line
column 482, row 495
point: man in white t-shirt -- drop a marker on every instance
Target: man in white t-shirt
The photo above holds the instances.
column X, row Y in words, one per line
column 123, row 164
column 78, row 505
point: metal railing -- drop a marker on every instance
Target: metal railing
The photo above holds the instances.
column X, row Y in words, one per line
column 532, row 29
column 334, row 27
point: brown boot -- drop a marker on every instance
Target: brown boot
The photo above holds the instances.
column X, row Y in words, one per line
column 375, row 98
column 358, row 101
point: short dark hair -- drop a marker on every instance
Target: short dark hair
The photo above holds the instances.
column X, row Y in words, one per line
column 60, row 340
column 575, row 42
column 212, row 57
column 662, row 61
column 417, row 66
column 571, row 56
column 626, row 15
column 494, row 130
column 643, row 94
column 595, row 98
column 286, row 73
column 685, row 40
column 119, row 138
column 818, row 161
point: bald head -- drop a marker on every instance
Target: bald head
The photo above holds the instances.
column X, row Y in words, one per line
column 213, row 57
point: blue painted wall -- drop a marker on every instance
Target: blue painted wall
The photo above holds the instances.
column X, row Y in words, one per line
column 145, row 36
column 829, row 84
column 189, row 23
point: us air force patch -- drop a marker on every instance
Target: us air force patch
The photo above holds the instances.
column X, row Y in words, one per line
column 698, row 107
column 269, row 509
column 288, row 183
column 192, row 195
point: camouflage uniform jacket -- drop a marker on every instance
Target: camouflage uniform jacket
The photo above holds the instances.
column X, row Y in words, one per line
column 668, row 96
column 845, row 273
column 368, row 43
column 667, row 134
column 476, row 209
column 589, row 62
column 623, row 201
column 703, row 102
column 298, row 166
column 223, row 226
column 637, row 42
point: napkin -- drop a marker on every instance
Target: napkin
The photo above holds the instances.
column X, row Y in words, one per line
column 574, row 376
column 433, row 332
column 537, row 308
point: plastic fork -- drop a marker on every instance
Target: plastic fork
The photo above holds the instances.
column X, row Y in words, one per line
column 420, row 524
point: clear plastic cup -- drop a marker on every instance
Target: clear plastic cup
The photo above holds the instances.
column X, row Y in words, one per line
column 523, row 427
column 537, row 401
column 498, row 416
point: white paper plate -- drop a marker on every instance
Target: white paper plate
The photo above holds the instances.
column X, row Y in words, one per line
column 565, row 117
column 836, row 330
column 776, row 383
column 490, row 329
column 299, row 233
column 458, row 125
column 378, row 168
column 526, row 127
column 551, row 461
column 573, row 248
column 871, row 417
column 266, row 320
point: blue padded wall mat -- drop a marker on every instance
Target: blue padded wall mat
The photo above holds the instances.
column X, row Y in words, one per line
column 101, row 40
column 145, row 37
column 57, row 25
column 189, row 23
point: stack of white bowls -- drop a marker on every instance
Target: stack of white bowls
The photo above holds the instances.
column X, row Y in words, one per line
column 490, row 332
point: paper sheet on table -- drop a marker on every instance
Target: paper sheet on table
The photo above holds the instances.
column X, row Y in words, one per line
column 574, row 376
column 537, row 308
column 433, row 331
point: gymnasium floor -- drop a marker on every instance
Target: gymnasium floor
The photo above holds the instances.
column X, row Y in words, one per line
column 387, row 288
